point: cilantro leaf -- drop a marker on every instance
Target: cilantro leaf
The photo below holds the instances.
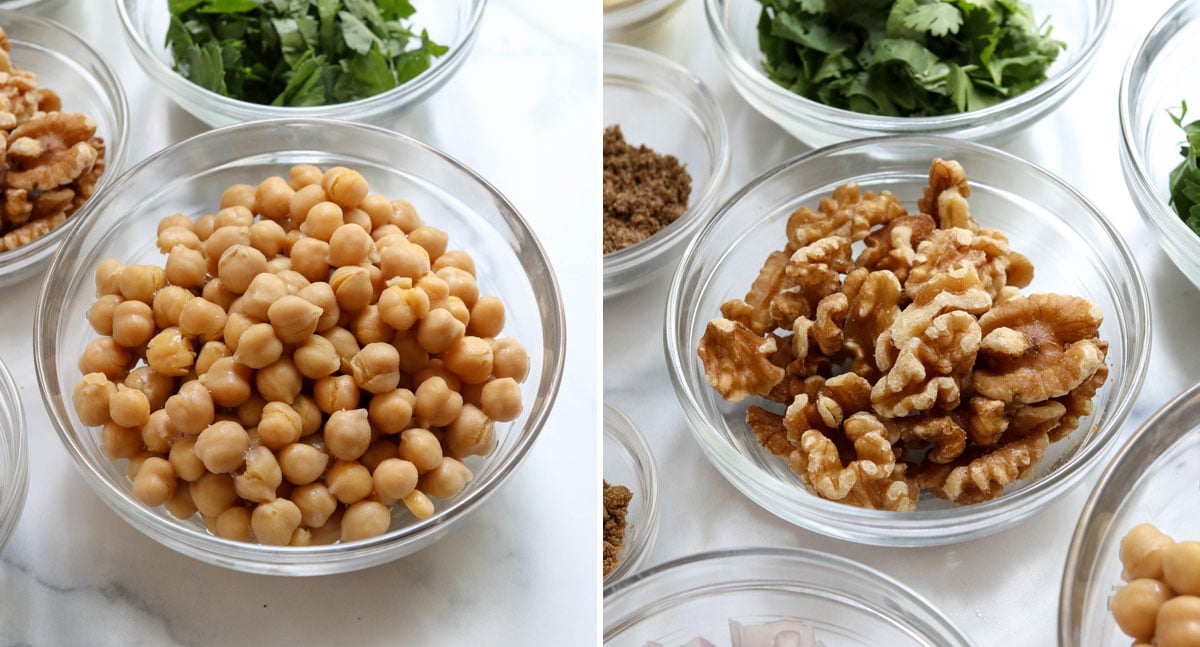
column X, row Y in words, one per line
column 937, row 19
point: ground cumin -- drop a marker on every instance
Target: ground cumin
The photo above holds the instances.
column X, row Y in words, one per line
column 616, row 505
column 643, row 191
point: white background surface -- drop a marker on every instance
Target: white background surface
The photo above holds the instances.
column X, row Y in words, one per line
column 1000, row 590
column 522, row 111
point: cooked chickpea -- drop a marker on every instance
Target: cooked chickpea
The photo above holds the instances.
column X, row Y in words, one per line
column 249, row 413
column 419, row 504
column 309, row 257
column 135, row 463
column 236, row 325
column 321, row 295
column 413, row 358
column 379, row 450
column 128, row 407
column 268, row 237
column 436, row 368
column 260, row 477
column 315, row 502
column 345, row 343
column 303, row 201
column 405, row 260
column 202, row 318
column 1135, row 605
column 91, row 397
column 1180, row 566
column 155, row 482
column 157, row 433
column 302, row 463
column 170, row 353
column 172, row 236
column 220, row 241
column 349, row 245
column 175, row 220
column 1178, row 622
column 390, row 233
column 435, row 288
column 401, row 308
column 294, row 319
column 460, row 283
column 365, row 519
column 258, row 346
column 216, row 292
column 322, row 220
column 140, row 282
column 394, row 479
column 353, row 288
column 273, row 198
column 432, row 239
column 391, row 412
column 120, row 442
column 293, row 281
column 222, row 446
column 456, row 258
column 471, row 434
column 234, row 524
column 264, row 290
column 180, row 504
column 205, row 226
column 104, row 355
column 235, row 216
column 209, row 353
column 1142, row 552
column 168, row 305
column 275, row 521
column 238, row 265
column 378, row 208
column 108, row 277
column 436, row 405
column 279, row 264
column 487, row 317
column 470, row 358
column 279, row 426
column 238, row 195
column 439, row 331
column 302, row 175
column 376, row 368
column 183, row 458
column 509, row 359
column 228, row 381
column 185, row 267
column 336, row 393
column 421, row 448
column 445, row 480
column 349, row 481
column 344, row 186
column 100, row 315
column 279, row 382
column 316, row 358
column 310, row 414
column 347, row 434
column 156, row 387
column 458, row 309
column 501, row 399
column 404, row 216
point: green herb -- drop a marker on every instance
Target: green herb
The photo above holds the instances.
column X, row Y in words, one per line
column 1185, row 178
column 297, row 52
column 910, row 58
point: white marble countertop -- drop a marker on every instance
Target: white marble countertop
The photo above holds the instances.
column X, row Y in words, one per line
column 1002, row 589
column 523, row 570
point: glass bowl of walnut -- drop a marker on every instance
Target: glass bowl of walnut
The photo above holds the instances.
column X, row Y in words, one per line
column 65, row 131
column 299, row 346
column 919, row 358
column 1137, row 544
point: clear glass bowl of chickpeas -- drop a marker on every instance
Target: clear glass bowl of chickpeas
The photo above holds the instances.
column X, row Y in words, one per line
column 1133, row 568
column 299, row 346
column 14, row 467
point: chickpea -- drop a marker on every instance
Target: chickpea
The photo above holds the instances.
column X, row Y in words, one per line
column 405, row 260
column 436, row 289
column 228, row 381
column 349, row 245
column 273, row 198
column 433, row 240
column 279, row 426
column 316, row 358
column 352, row 287
column 234, row 524
column 157, row 433
column 471, row 434
column 128, row 407
column 419, row 504
column 456, row 258
column 302, row 175
column 1135, row 605
column 388, row 232
column 108, row 277
column 344, row 186
column 315, row 502
column 310, row 414
column 439, row 331
column 461, row 284
column 222, row 446
column 436, row 368
column 1178, row 622
column 105, row 355
column 293, row 281
column 180, row 504
column 249, row 413
column 170, row 237
column 268, row 237
column 401, row 308
column 264, row 290
column 445, row 480
column 183, row 459
column 168, row 305
column 376, row 368
column 275, row 521
column 487, row 317
column 238, row 195
column 501, row 399
column 335, row 393
column 404, row 216
column 378, row 451
column 135, row 463
column 100, row 315
column 345, row 343
column 202, row 318
column 413, row 358
column 238, row 265
column 258, row 346
column 509, row 359
column 156, row 387
column 174, row 220
column 309, row 257
column 1142, row 552
column 155, row 482
column 209, row 353
column 170, row 353
column 294, row 319
column 391, row 412
column 470, row 358
column 1180, row 566
column 301, row 463
column 347, row 434
column 140, row 282
column 322, row 220
column 349, row 481
column 394, row 479
column 185, row 267
column 280, row 382
column 280, row 263
column 205, row 226
column 303, row 200
column 421, row 448
column 120, row 442
column 458, row 310
column 216, row 292
column 378, row 208
column 91, row 397
column 360, row 219
column 436, row 405
column 365, row 519
column 235, row 216
column 260, row 477
column 236, row 325
column 321, row 295
column 220, row 241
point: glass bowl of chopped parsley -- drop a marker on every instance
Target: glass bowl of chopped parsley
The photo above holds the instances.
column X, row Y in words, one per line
column 227, row 61
column 831, row 71
column 1160, row 138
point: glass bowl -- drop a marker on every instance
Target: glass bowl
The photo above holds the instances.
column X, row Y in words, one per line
column 1074, row 249
column 660, row 104
column 14, row 465
column 454, row 23
column 1153, row 480
column 67, row 64
column 629, row 462
column 844, row 602
column 630, row 19
column 734, row 25
column 188, row 178
column 1157, row 79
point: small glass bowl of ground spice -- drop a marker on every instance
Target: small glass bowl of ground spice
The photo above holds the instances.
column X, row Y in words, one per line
column 630, row 497
column 665, row 155
column 14, row 468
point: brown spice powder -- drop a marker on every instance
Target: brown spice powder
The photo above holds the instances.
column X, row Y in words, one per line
column 616, row 506
column 643, row 191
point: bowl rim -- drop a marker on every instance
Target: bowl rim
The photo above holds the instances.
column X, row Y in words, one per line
column 23, row 259
column 632, row 17
column 682, row 228
column 12, row 500
column 417, row 86
column 631, row 440
column 806, row 557
column 797, row 105
column 919, row 527
column 282, row 560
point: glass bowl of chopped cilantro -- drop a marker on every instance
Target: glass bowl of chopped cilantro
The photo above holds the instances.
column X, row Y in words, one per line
column 227, row 61
column 1160, row 138
column 828, row 71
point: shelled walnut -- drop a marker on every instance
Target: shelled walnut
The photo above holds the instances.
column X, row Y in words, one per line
column 918, row 365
